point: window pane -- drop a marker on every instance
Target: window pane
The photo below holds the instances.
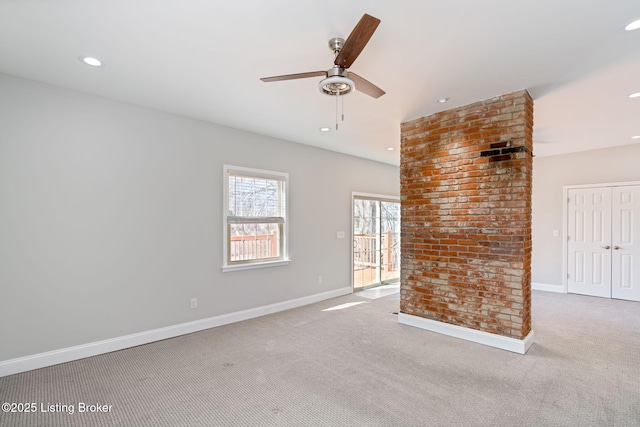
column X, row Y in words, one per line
column 254, row 241
column 390, row 226
column 255, row 197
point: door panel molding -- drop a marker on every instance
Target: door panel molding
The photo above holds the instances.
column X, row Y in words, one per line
column 626, row 251
column 589, row 236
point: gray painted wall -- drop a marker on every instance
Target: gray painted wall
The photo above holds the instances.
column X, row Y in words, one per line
column 111, row 218
column 550, row 175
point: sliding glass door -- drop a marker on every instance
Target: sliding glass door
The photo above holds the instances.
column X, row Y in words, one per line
column 376, row 241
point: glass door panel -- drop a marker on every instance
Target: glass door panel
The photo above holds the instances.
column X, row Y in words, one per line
column 376, row 242
column 390, row 241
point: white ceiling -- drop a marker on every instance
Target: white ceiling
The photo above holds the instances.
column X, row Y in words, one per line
column 204, row 58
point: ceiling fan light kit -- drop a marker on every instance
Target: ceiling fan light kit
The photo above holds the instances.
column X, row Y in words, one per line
column 338, row 81
column 336, row 86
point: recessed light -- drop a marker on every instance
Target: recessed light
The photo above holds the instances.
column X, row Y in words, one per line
column 325, row 129
column 635, row 137
column 89, row 60
column 390, row 148
column 442, row 100
column 633, row 26
column 634, row 95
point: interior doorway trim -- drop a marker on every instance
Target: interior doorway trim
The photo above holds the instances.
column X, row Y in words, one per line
column 565, row 222
column 354, row 195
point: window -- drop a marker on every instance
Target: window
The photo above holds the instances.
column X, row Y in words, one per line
column 255, row 216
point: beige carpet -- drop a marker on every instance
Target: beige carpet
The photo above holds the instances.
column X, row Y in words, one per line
column 355, row 366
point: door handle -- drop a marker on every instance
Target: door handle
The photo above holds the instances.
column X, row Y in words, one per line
column 617, row 247
column 606, row 247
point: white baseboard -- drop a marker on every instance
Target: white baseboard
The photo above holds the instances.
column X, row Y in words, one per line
column 547, row 287
column 480, row 337
column 49, row 358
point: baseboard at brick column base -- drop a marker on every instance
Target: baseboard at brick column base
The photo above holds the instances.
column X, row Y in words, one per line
column 480, row 337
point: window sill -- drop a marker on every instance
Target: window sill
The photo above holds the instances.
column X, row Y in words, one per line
column 251, row 266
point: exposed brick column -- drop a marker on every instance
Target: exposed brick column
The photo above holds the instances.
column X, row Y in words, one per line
column 466, row 216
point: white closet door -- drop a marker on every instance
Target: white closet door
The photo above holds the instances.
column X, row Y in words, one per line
column 625, row 251
column 589, row 241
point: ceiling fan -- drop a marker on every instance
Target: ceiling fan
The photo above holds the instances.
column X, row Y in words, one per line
column 339, row 81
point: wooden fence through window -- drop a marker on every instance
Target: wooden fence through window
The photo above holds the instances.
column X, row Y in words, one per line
column 257, row 246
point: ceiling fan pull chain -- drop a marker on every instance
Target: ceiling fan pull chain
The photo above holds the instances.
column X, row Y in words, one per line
column 337, row 111
column 343, row 108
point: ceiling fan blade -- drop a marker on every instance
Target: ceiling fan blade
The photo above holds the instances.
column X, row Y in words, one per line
column 295, row 76
column 356, row 41
column 366, row 86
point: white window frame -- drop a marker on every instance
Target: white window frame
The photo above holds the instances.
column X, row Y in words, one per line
column 251, row 264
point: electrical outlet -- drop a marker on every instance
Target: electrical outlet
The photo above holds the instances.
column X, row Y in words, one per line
column 194, row 302
column 319, row 280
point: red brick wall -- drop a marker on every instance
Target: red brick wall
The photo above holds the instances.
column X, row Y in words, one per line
column 466, row 215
